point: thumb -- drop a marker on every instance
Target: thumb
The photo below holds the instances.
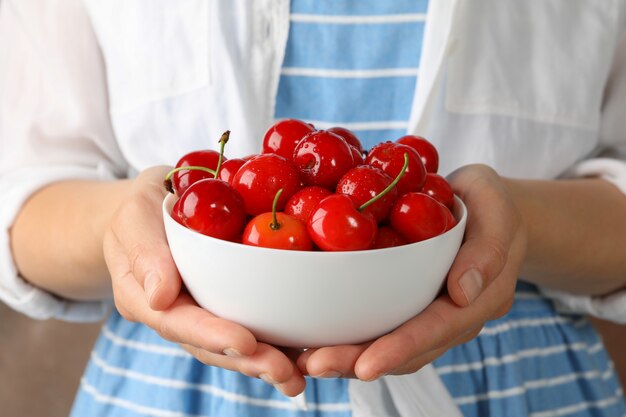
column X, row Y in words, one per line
column 153, row 267
column 139, row 229
column 492, row 223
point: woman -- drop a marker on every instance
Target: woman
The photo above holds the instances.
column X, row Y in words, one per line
column 128, row 86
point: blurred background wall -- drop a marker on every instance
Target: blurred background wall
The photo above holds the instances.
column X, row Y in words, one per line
column 41, row 363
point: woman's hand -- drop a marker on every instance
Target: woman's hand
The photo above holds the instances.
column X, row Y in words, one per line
column 147, row 289
column 480, row 287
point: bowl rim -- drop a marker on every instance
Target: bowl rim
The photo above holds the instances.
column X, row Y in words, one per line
column 460, row 209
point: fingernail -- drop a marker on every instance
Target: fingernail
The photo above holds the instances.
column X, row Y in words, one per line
column 472, row 284
column 271, row 381
column 268, row 379
column 150, row 285
column 374, row 377
column 329, row 374
column 232, row 353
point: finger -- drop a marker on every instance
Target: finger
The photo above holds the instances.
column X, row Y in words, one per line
column 436, row 327
column 292, row 353
column 183, row 322
column 267, row 363
column 138, row 227
column 331, row 362
column 492, row 223
column 419, row 362
column 302, row 359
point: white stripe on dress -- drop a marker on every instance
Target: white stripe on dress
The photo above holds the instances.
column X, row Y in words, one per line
column 515, row 324
column 215, row 391
column 335, row 73
column 516, row 357
column 145, row 347
column 535, row 384
column 576, row 408
column 129, row 405
column 358, row 19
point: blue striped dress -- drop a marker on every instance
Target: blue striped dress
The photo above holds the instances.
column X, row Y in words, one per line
column 531, row 362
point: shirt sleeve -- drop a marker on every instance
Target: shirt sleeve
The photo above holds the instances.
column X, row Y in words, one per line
column 54, row 125
column 610, row 165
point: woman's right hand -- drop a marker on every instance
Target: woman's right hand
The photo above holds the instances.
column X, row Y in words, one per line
column 147, row 288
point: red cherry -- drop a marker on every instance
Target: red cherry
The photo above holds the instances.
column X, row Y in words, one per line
column 389, row 157
column 451, row 220
column 357, row 156
column 260, row 178
column 213, row 208
column 322, row 158
column 176, row 215
column 438, row 188
column 277, row 230
column 388, row 238
column 427, row 151
column 337, row 225
column 291, row 234
column 196, row 166
column 362, row 183
column 418, row 216
column 302, row 203
column 284, row 135
column 348, row 136
column 229, row 169
column 182, row 179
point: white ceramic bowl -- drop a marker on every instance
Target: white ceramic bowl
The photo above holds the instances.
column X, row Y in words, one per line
column 312, row 299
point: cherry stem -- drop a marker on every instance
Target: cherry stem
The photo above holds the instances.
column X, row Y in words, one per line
column 274, row 225
column 389, row 187
column 168, row 178
column 223, row 140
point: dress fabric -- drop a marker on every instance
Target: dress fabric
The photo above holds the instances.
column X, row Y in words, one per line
column 531, row 362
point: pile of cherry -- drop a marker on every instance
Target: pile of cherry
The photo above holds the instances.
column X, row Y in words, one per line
column 315, row 190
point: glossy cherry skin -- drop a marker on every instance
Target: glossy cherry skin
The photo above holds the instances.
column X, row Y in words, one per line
column 213, row 208
column 176, row 214
column 387, row 238
column 364, row 182
column 322, row 158
column 418, row 216
column 357, row 156
column 451, row 220
column 284, row 135
column 438, row 188
column 389, row 157
column 182, row 179
column 291, row 233
column 348, row 136
column 260, row 178
column 229, row 169
column 337, row 225
column 428, row 152
column 304, row 201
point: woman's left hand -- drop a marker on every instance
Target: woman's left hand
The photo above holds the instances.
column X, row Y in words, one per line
column 480, row 287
